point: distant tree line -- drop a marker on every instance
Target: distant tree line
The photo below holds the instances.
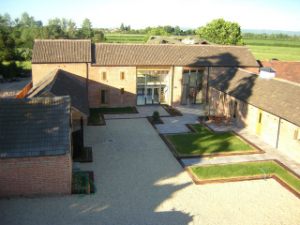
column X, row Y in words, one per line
column 265, row 36
column 17, row 36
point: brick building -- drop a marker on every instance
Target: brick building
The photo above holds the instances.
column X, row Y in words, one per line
column 137, row 74
column 35, row 147
column 268, row 108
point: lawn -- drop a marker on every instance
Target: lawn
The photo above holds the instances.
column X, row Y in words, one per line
column 206, row 142
column 246, row 169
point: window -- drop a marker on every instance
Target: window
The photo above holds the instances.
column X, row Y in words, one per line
column 122, row 91
column 104, row 97
column 103, row 75
column 122, row 75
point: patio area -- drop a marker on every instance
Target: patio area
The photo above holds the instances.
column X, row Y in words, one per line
column 138, row 181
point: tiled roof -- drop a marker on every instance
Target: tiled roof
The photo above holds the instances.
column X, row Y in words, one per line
column 285, row 70
column 168, row 55
column 63, row 83
column 274, row 96
column 34, row 127
column 61, row 51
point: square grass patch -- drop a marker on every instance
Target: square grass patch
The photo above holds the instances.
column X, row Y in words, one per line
column 205, row 142
column 248, row 170
column 83, row 182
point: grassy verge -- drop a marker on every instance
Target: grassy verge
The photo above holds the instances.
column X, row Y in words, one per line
column 246, row 169
column 206, row 142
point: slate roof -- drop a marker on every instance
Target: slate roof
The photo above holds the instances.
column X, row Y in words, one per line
column 168, row 55
column 277, row 97
column 61, row 51
column 34, row 127
column 284, row 70
column 63, row 83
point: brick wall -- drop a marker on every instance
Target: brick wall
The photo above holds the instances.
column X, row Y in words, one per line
column 247, row 116
column 41, row 70
column 113, row 85
column 35, row 175
column 177, row 85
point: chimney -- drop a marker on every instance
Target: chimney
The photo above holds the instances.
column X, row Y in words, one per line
column 267, row 73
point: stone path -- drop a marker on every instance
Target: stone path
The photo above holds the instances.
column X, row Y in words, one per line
column 177, row 124
column 143, row 111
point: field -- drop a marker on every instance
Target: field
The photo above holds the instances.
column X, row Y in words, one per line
column 285, row 50
column 263, row 49
column 125, row 38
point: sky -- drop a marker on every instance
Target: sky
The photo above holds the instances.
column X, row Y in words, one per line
column 253, row 14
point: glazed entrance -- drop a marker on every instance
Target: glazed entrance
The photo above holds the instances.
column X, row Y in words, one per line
column 152, row 86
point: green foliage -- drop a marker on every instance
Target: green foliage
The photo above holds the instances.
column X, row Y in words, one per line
column 223, row 32
column 156, row 116
column 86, row 30
column 98, row 36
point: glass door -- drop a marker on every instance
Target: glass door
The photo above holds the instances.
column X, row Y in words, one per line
column 149, row 95
column 155, row 95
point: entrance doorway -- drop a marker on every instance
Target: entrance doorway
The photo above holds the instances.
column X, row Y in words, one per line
column 152, row 96
column 192, row 86
column 152, row 86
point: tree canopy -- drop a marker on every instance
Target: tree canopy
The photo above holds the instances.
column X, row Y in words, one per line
column 220, row 31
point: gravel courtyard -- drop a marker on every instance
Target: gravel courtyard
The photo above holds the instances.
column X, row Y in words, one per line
column 138, row 181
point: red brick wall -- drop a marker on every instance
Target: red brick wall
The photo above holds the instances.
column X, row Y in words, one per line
column 36, row 175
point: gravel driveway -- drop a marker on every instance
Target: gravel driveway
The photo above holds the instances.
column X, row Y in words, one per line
column 139, row 182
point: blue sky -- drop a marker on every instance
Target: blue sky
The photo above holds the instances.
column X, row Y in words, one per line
column 254, row 14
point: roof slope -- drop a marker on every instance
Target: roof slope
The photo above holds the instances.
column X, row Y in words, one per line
column 167, row 55
column 62, row 83
column 285, row 70
column 61, row 51
column 277, row 97
column 34, row 127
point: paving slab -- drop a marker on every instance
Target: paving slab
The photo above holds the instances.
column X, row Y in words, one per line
column 143, row 111
column 138, row 181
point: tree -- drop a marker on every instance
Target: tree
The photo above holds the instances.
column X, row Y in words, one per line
column 71, row 29
column 55, row 28
column 98, row 36
column 7, row 42
column 223, row 32
column 86, row 30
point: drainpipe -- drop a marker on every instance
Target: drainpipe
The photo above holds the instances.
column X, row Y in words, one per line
column 207, row 90
column 87, row 82
column 171, row 86
column 278, row 132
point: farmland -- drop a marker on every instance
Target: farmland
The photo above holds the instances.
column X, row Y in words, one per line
column 263, row 49
column 125, row 38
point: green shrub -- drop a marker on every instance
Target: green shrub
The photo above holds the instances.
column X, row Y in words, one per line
column 156, row 116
